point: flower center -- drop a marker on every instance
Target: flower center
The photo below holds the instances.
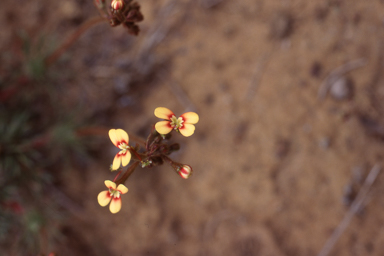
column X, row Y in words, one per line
column 124, row 147
column 176, row 123
column 114, row 193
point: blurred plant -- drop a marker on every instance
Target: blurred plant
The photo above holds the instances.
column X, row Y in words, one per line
column 120, row 12
column 155, row 151
column 38, row 137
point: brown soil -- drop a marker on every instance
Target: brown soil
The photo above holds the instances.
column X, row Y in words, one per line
column 272, row 159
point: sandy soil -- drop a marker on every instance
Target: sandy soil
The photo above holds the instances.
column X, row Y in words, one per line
column 276, row 148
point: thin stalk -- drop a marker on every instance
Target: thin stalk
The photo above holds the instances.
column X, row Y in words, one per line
column 72, row 38
column 117, row 175
column 135, row 153
column 127, row 173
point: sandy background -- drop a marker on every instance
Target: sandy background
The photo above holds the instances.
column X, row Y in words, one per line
column 273, row 160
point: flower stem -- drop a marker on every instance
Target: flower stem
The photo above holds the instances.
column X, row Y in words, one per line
column 80, row 30
column 135, row 153
column 117, row 175
column 127, row 173
column 174, row 164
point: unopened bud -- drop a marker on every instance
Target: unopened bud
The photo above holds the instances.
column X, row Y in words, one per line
column 114, row 22
column 117, row 4
column 185, row 171
column 174, row 147
column 134, row 30
column 134, row 16
column 157, row 160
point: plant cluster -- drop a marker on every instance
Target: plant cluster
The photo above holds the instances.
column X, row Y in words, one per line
column 155, row 151
column 39, row 136
column 121, row 12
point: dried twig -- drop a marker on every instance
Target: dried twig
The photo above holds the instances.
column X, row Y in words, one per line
column 356, row 205
column 254, row 84
column 336, row 74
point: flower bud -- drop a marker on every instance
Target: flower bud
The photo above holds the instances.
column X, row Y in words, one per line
column 134, row 16
column 114, row 22
column 157, row 160
column 117, row 4
column 132, row 29
column 174, row 147
column 185, row 171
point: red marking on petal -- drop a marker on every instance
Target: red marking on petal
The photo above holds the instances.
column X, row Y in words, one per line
column 123, row 141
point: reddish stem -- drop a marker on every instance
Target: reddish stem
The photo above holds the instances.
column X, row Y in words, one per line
column 136, row 154
column 80, row 30
column 117, row 175
column 127, row 173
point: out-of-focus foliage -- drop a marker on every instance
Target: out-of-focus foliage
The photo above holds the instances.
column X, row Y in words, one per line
column 37, row 139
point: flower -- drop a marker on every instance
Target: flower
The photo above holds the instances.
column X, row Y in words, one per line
column 184, row 124
column 120, row 139
column 185, row 171
column 112, row 195
column 117, row 4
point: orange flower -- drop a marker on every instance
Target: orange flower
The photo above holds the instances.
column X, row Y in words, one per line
column 120, row 139
column 184, row 124
column 112, row 195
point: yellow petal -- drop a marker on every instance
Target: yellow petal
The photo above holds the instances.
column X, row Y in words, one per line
column 116, row 162
column 103, row 198
column 187, row 130
column 122, row 136
column 110, row 184
column 115, row 205
column 123, row 189
column 126, row 158
column 113, row 136
column 163, row 113
column 163, row 127
column 190, row 117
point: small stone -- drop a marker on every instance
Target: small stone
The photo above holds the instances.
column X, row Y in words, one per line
column 342, row 89
column 325, row 142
